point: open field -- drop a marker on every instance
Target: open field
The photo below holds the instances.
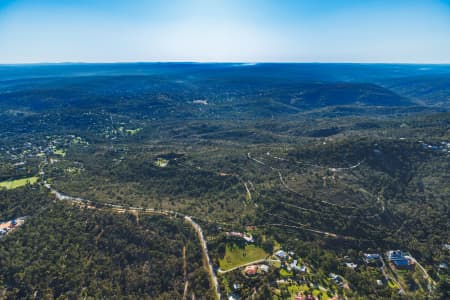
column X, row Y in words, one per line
column 236, row 256
column 12, row 184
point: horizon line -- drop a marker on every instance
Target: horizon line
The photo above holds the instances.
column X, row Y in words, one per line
column 249, row 63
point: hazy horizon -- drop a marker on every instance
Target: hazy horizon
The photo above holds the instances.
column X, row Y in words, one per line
column 243, row 63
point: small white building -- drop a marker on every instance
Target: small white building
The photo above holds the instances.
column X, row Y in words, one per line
column 281, row 254
column 264, row 268
column 351, row 265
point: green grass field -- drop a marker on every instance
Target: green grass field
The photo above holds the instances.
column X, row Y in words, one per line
column 235, row 256
column 12, row 184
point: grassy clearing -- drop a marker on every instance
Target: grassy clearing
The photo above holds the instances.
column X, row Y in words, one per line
column 12, row 184
column 276, row 264
column 60, row 152
column 236, row 256
column 284, row 273
column 276, row 246
column 133, row 131
column 161, row 162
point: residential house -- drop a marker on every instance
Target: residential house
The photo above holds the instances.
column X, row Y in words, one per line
column 399, row 260
column 371, row 258
column 351, row 265
column 296, row 268
column 240, row 235
column 281, row 254
column 300, row 296
column 251, row 270
column 264, row 268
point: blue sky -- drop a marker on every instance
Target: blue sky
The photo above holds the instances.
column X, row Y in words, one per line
column 411, row 31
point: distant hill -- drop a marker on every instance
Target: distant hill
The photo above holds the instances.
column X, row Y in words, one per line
column 333, row 94
column 171, row 91
column 429, row 90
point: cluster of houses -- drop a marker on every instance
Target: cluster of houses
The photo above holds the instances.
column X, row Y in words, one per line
column 252, row 270
column 9, row 226
column 337, row 279
column 239, row 235
column 302, row 296
column 18, row 155
column 443, row 146
column 374, row 259
column 289, row 262
column 349, row 264
column 400, row 260
column 249, row 271
column 371, row 258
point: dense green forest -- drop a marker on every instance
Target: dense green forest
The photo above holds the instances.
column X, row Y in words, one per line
column 67, row 252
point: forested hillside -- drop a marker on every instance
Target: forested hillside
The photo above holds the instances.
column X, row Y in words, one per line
column 292, row 175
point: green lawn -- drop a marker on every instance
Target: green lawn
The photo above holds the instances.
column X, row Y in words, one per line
column 12, row 184
column 392, row 284
column 284, row 273
column 276, row 264
column 235, row 256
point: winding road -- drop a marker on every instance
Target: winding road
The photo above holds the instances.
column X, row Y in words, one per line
column 119, row 208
